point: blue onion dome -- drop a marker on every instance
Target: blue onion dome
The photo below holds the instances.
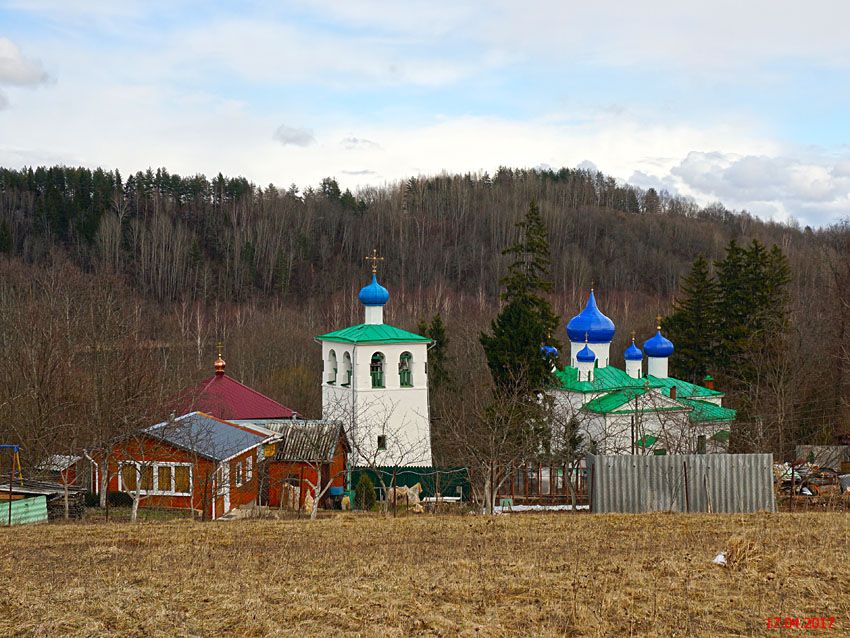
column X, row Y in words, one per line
column 374, row 294
column 633, row 353
column 549, row 351
column 591, row 322
column 586, row 355
column 658, row 346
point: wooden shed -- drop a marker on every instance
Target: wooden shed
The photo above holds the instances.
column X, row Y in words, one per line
column 297, row 454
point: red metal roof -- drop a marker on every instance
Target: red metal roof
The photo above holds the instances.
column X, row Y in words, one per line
column 225, row 398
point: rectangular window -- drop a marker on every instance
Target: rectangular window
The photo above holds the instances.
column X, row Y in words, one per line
column 163, row 478
column 181, row 479
column 147, row 478
column 249, row 468
column 128, row 477
column 239, row 474
column 382, row 442
column 173, row 479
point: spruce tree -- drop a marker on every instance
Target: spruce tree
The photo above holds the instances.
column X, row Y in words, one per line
column 513, row 346
column 735, row 305
column 693, row 324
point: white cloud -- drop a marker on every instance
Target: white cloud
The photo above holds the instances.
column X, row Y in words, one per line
column 356, row 143
column 294, row 136
column 4, row 102
column 816, row 191
column 15, row 69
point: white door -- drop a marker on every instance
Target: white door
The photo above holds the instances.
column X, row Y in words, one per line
column 224, row 487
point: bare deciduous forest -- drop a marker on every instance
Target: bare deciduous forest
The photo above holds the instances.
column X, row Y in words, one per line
column 92, row 261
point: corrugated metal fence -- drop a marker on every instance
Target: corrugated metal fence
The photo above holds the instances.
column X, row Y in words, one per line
column 681, row 483
column 24, row 511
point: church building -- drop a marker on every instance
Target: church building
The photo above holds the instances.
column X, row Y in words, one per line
column 375, row 381
column 639, row 409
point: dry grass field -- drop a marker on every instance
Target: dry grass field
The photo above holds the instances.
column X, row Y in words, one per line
column 519, row 575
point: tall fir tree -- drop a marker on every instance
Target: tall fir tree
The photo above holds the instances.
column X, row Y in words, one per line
column 513, row 346
column 693, row 324
column 735, row 305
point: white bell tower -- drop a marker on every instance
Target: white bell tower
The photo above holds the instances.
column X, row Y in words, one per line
column 375, row 382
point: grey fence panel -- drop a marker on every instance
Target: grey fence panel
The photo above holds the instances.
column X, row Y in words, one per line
column 681, row 483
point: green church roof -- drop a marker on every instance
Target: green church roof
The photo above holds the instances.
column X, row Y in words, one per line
column 605, row 379
column 684, row 390
column 613, row 401
column 373, row 333
column 609, row 379
column 620, row 402
column 705, row 412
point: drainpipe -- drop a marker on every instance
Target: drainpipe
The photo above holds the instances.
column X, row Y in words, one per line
column 96, row 472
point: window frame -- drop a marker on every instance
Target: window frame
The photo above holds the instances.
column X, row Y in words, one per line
column 347, row 369
column 405, row 369
column 333, row 366
column 378, row 375
column 238, row 474
column 155, row 465
column 382, row 443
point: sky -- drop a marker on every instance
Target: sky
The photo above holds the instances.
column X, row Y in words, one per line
column 746, row 103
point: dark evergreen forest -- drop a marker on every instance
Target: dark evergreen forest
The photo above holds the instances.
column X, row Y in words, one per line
column 192, row 260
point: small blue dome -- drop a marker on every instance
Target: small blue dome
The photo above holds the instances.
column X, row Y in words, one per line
column 374, row 294
column 591, row 323
column 633, row 353
column 549, row 351
column 586, row 355
column 658, row 346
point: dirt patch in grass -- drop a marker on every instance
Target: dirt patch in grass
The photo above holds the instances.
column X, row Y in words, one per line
column 541, row 575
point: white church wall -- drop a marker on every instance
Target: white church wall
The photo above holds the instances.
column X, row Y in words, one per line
column 401, row 414
column 601, row 350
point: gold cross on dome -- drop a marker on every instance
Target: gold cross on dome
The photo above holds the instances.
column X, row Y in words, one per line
column 658, row 320
column 374, row 259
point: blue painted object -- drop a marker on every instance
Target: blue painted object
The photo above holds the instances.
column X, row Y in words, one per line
column 374, row 294
column 658, row 346
column 591, row 323
column 586, row 355
column 633, row 353
column 549, row 351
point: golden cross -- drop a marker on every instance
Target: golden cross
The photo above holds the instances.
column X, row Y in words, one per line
column 658, row 320
column 220, row 347
column 633, row 336
column 374, row 259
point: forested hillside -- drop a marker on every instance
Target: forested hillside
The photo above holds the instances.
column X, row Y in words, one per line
column 191, row 260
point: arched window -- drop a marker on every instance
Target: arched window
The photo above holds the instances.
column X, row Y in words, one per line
column 346, row 369
column 376, row 369
column 405, row 375
column 331, row 367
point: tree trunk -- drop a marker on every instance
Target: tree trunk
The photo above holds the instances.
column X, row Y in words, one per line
column 134, row 512
column 489, row 497
column 103, row 480
column 65, row 496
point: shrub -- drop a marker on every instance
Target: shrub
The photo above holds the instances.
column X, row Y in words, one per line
column 364, row 493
